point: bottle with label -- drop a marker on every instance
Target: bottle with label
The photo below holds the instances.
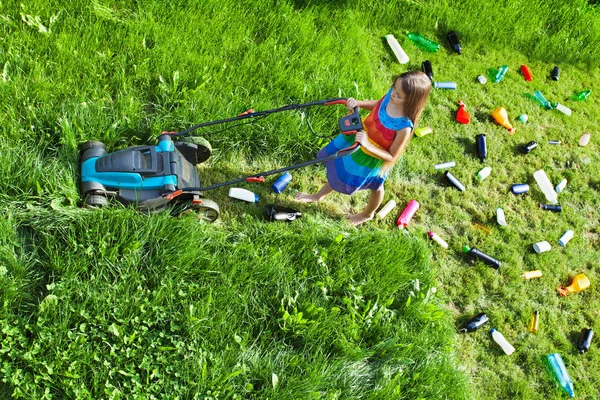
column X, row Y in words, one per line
column 438, row 239
column 475, row 323
column 243, row 194
column 397, row 49
column 560, row 371
column 501, row 340
column 546, row 186
column 422, row 42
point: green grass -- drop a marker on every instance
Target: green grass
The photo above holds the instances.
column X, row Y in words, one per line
column 113, row 304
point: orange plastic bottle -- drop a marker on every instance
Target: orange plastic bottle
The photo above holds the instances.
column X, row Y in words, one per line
column 501, row 117
column 579, row 284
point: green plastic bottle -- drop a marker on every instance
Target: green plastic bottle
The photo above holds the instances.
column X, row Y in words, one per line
column 422, row 42
column 582, row 95
column 539, row 97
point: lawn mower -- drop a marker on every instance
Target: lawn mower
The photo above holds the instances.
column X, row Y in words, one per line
column 164, row 175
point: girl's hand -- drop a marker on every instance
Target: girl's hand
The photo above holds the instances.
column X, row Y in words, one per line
column 351, row 103
column 361, row 138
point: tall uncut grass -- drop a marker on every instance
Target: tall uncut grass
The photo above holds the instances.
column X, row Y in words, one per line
column 114, row 304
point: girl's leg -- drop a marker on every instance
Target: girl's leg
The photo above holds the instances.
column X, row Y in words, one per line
column 374, row 202
column 311, row 198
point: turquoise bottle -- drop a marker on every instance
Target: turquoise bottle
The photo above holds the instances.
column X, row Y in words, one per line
column 500, row 74
column 422, row 42
column 539, row 97
column 560, row 371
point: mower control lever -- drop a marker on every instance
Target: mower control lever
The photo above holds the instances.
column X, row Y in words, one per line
column 351, row 123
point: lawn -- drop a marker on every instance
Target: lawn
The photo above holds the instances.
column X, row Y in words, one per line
column 116, row 304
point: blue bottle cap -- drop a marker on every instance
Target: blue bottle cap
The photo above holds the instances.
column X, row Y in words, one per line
column 256, row 198
column 492, row 330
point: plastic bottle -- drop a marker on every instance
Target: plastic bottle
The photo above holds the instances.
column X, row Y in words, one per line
column 551, row 207
column 445, row 165
column 526, row 149
column 438, row 239
column 462, row 115
column 484, row 173
column 561, row 186
column 501, row 117
column 475, row 323
column 534, row 323
column 243, row 194
column 481, row 143
column 523, row 118
column 407, row 214
column 555, row 142
column 386, row 209
column 500, row 74
column 445, row 85
column 558, row 366
column 555, row 74
column 427, row 68
column 481, row 256
column 539, row 97
column 519, row 188
column 499, row 338
column 565, row 238
column 531, row 274
column 546, row 186
column 454, row 42
column 526, row 73
column 422, row 42
column 500, row 217
column 581, row 96
column 481, row 79
column 542, row 247
column 454, row 181
column 579, row 284
column 585, row 139
column 563, row 109
column 281, row 183
column 586, row 340
column 426, row 130
column 397, row 49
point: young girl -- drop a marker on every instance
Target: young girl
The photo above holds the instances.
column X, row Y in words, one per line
column 388, row 129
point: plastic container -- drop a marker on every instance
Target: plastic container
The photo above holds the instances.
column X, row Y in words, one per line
column 281, row 183
column 563, row 109
column 426, row 130
column 555, row 74
column 565, row 238
column 454, row 181
column 581, row 96
column 438, row 239
column 462, row 115
column 534, row 323
column 526, row 149
column 481, row 79
column 523, row 118
column 586, row 340
column 551, row 207
column 481, row 144
column 561, row 186
column 454, row 42
column 481, row 256
column 580, row 283
column 385, row 210
column 428, row 69
column 501, row 117
column 519, row 188
column 397, row 49
column 422, row 42
column 502, row 342
column 445, row 85
column 531, row 274
column 546, row 186
column 526, row 73
column 243, row 194
column 539, row 97
column 541, row 247
column 445, row 165
column 554, row 142
column 585, row 139
column 500, row 74
column 475, row 323
column 560, row 372
column 500, row 217
column 484, row 173
column 407, row 214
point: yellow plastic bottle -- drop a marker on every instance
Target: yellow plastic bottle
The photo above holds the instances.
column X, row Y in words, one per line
column 579, row 284
column 501, row 117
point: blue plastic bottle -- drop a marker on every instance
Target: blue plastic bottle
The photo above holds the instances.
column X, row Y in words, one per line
column 561, row 373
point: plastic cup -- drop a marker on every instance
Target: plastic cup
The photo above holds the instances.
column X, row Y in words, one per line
column 541, row 247
column 281, row 183
column 564, row 239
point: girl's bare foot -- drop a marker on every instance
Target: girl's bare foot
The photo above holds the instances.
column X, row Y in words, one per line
column 307, row 198
column 359, row 218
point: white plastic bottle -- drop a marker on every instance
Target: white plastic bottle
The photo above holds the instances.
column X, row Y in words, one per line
column 499, row 338
column 484, row 173
column 386, row 209
column 564, row 239
column 561, row 186
column 397, row 49
column 500, row 217
column 438, row 240
column 563, row 109
column 546, row 186
column 243, row 194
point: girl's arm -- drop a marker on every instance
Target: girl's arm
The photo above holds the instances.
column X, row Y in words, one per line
column 366, row 104
column 398, row 146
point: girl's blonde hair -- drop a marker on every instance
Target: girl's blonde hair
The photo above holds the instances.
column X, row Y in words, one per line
column 416, row 87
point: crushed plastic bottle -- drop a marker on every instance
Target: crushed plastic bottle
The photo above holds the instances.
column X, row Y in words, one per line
column 422, row 42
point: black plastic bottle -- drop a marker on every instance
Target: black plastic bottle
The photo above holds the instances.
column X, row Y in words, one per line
column 481, row 144
column 551, row 207
column 454, row 180
column 555, row 73
column 426, row 66
column 529, row 146
column 586, row 340
column 481, row 256
column 454, row 42
column 475, row 323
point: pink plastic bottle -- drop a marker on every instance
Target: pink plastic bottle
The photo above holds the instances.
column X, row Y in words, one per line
column 407, row 214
